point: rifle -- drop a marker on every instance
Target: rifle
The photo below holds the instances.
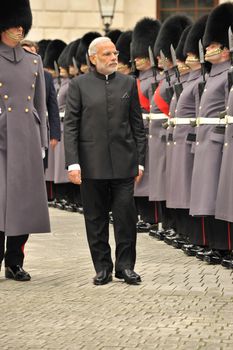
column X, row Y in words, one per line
column 133, row 66
column 178, row 87
column 201, row 85
column 154, row 70
column 230, row 72
column 58, row 75
column 169, row 89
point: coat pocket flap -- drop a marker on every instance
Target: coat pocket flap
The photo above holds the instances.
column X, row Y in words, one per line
column 217, row 137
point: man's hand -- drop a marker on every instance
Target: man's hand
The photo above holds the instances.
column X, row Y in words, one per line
column 53, row 143
column 138, row 178
column 75, row 176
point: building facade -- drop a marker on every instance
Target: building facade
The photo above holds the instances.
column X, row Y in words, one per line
column 70, row 19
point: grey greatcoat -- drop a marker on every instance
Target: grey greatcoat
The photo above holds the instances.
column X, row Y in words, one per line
column 146, row 78
column 23, row 131
column 157, row 144
column 60, row 171
column 224, row 201
column 209, row 143
column 178, row 193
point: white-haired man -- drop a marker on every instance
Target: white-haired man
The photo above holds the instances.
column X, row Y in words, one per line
column 105, row 147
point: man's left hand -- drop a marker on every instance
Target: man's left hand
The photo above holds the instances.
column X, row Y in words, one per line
column 138, row 178
column 53, row 143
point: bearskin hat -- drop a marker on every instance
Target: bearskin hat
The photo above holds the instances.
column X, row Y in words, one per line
column 72, row 51
column 15, row 13
column 180, row 47
column 114, row 35
column 144, row 35
column 196, row 33
column 83, row 46
column 123, row 46
column 63, row 58
column 219, row 20
column 53, row 51
column 170, row 33
column 42, row 46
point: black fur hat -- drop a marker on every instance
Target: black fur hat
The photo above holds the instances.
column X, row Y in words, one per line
column 83, row 46
column 42, row 46
column 114, row 35
column 170, row 33
column 123, row 45
column 180, row 47
column 144, row 35
column 219, row 20
column 53, row 51
column 15, row 13
column 196, row 33
column 63, row 58
column 72, row 51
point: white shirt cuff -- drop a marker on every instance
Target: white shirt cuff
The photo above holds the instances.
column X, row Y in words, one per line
column 43, row 152
column 141, row 167
column 74, row 167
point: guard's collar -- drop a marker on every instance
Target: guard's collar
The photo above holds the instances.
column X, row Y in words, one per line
column 13, row 54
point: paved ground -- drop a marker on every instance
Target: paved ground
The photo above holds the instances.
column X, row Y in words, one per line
column 181, row 304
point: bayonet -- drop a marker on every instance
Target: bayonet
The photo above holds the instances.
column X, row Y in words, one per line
column 75, row 64
column 174, row 62
column 169, row 89
column 201, row 85
column 88, row 62
column 230, row 73
column 58, row 75
column 154, row 70
column 177, row 86
column 132, row 62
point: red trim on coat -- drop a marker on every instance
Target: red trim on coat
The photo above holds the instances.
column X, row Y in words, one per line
column 159, row 101
column 229, row 235
column 203, row 230
column 144, row 101
column 156, row 214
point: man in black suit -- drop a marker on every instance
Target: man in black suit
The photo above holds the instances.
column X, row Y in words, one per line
column 104, row 147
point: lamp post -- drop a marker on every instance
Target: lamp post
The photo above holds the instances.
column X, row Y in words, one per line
column 107, row 10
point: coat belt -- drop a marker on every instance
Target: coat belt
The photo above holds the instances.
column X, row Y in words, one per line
column 229, row 119
column 145, row 116
column 180, row 121
column 158, row 116
column 210, row 121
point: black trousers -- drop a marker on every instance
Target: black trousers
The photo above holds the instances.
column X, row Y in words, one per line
column 14, row 252
column 97, row 197
column 146, row 209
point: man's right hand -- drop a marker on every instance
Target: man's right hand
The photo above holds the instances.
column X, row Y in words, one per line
column 75, row 177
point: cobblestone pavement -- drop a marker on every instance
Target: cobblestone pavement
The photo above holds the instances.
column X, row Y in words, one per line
column 181, row 304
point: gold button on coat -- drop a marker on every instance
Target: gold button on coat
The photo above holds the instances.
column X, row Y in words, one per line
column 9, row 109
column 5, row 97
column 0, row 84
column 29, row 98
column 26, row 110
column 33, row 85
column 35, row 61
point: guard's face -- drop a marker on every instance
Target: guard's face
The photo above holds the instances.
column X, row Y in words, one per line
column 142, row 63
column 106, row 58
column 15, row 34
column 213, row 53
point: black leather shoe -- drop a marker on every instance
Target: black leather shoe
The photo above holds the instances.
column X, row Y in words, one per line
column 169, row 238
column 119, row 275
column 17, row 273
column 214, row 257
column 227, row 261
column 102, row 277
column 143, row 226
column 130, row 276
column 201, row 254
column 178, row 243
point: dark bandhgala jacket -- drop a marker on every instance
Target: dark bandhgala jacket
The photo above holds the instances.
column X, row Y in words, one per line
column 103, row 128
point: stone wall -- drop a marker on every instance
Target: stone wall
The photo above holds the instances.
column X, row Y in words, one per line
column 70, row 19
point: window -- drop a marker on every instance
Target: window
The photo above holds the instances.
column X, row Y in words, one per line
column 192, row 8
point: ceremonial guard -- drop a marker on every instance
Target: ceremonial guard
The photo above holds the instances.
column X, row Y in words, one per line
column 173, row 141
column 170, row 33
column 23, row 137
column 143, row 39
column 123, row 46
column 210, row 134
